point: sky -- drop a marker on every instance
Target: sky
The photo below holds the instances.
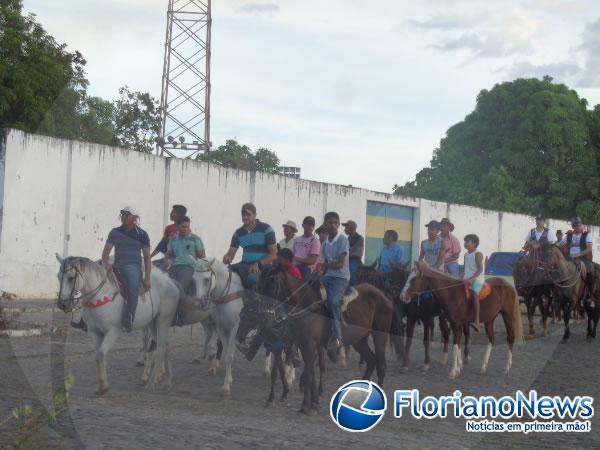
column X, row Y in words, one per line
column 353, row 92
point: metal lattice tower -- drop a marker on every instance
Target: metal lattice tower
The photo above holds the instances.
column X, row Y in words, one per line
column 185, row 98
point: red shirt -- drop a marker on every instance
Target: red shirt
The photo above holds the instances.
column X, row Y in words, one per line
column 170, row 231
column 295, row 272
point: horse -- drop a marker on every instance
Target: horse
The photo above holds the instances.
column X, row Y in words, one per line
column 533, row 292
column 569, row 286
column 370, row 314
column 453, row 299
column 87, row 283
column 222, row 291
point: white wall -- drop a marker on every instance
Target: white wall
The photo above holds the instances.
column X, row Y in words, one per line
column 63, row 196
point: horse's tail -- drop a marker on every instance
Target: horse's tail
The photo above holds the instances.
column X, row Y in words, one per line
column 517, row 319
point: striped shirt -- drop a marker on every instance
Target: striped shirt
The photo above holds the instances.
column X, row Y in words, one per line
column 255, row 243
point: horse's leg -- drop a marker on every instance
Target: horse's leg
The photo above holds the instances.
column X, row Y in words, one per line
column 566, row 317
column 467, row 333
column 489, row 330
column 216, row 360
column 206, row 348
column 379, row 341
column 363, row 349
column 530, row 304
column 273, row 374
column 268, row 366
column 141, row 361
column 322, row 370
column 445, row 332
column 307, row 349
column 105, row 342
column 281, row 365
column 410, row 330
column 162, row 331
column 228, row 338
column 457, row 330
column 427, row 334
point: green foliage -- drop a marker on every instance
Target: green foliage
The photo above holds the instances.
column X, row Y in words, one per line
column 136, row 120
column 242, row 157
column 529, row 146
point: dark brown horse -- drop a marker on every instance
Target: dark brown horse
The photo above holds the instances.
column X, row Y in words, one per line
column 535, row 292
column 368, row 315
column 570, row 287
column 459, row 310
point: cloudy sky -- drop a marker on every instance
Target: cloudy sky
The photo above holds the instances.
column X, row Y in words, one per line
column 354, row 92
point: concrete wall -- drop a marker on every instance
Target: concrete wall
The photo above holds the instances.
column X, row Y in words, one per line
column 64, row 196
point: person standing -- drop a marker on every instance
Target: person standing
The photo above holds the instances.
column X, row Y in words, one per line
column 307, row 248
column 453, row 248
column 336, row 276
column 289, row 231
column 433, row 248
column 357, row 249
column 130, row 243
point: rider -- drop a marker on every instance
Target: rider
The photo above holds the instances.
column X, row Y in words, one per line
column 453, row 248
column 433, row 248
column 307, row 248
column 289, row 231
column 357, row 249
column 538, row 235
column 257, row 240
column 336, row 276
column 183, row 250
column 129, row 241
column 577, row 244
column 177, row 212
column 474, row 271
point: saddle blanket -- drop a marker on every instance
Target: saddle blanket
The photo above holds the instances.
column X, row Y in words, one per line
column 485, row 291
column 350, row 295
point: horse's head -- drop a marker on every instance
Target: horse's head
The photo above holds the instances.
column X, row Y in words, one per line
column 551, row 264
column 76, row 276
column 207, row 274
column 272, row 283
column 415, row 282
column 522, row 271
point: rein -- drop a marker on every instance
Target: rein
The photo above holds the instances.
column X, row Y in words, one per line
column 76, row 296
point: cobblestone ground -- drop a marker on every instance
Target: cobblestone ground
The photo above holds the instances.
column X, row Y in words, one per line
column 193, row 414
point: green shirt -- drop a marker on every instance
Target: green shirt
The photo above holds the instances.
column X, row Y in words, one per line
column 184, row 248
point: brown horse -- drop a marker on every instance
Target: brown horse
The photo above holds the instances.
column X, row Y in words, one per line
column 459, row 311
column 368, row 315
column 569, row 286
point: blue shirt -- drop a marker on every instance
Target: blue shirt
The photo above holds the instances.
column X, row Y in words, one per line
column 390, row 256
column 331, row 251
column 255, row 243
column 185, row 249
column 128, row 245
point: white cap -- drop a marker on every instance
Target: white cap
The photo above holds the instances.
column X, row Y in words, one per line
column 131, row 210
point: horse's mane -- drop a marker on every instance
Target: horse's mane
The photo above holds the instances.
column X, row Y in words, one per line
column 424, row 269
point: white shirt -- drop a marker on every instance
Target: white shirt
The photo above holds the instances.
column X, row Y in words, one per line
column 289, row 244
column 538, row 235
column 471, row 266
column 575, row 249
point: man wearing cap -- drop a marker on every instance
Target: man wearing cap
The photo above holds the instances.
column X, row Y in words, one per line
column 129, row 242
column 307, row 248
column 538, row 235
column 357, row 249
column 289, row 230
column 453, row 247
column 433, row 248
column 577, row 244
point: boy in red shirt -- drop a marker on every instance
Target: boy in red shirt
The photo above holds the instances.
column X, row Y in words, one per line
column 285, row 257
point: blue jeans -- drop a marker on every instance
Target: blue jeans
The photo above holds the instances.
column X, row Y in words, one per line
column 249, row 280
column 335, row 288
column 353, row 266
column 131, row 275
column 453, row 269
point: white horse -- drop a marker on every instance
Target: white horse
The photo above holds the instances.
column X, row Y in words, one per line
column 84, row 282
column 223, row 291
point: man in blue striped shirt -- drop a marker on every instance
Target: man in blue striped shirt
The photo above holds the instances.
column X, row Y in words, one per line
column 257, row 240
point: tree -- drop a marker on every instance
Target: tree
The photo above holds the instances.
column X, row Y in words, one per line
column 137, row 120
column 529, row 146
column 242, row 157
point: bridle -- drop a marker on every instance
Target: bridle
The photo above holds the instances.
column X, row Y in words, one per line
column 209, row 297
column 76, row 295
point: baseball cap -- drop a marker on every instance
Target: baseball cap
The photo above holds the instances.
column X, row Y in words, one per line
column 576, row 221
column 130, row 210
column 433, row 224
column 350, row 223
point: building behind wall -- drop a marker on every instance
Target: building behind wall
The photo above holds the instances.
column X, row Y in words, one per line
column 64, row 196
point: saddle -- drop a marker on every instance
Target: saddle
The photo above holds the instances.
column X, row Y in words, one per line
column 350, row 295
column 485, row 291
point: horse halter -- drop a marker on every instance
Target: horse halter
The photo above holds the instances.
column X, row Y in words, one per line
column 76, row 295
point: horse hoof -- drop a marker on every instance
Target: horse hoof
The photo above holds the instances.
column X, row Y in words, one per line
column 100, row 392
column 426, row 368
column 530, row 336
column 546, row 333
column 197, row 360
column 507, row 371
column 404, row 369
column 139, row 363
column 269, row 401
column 226, row 392
column 483, row 370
